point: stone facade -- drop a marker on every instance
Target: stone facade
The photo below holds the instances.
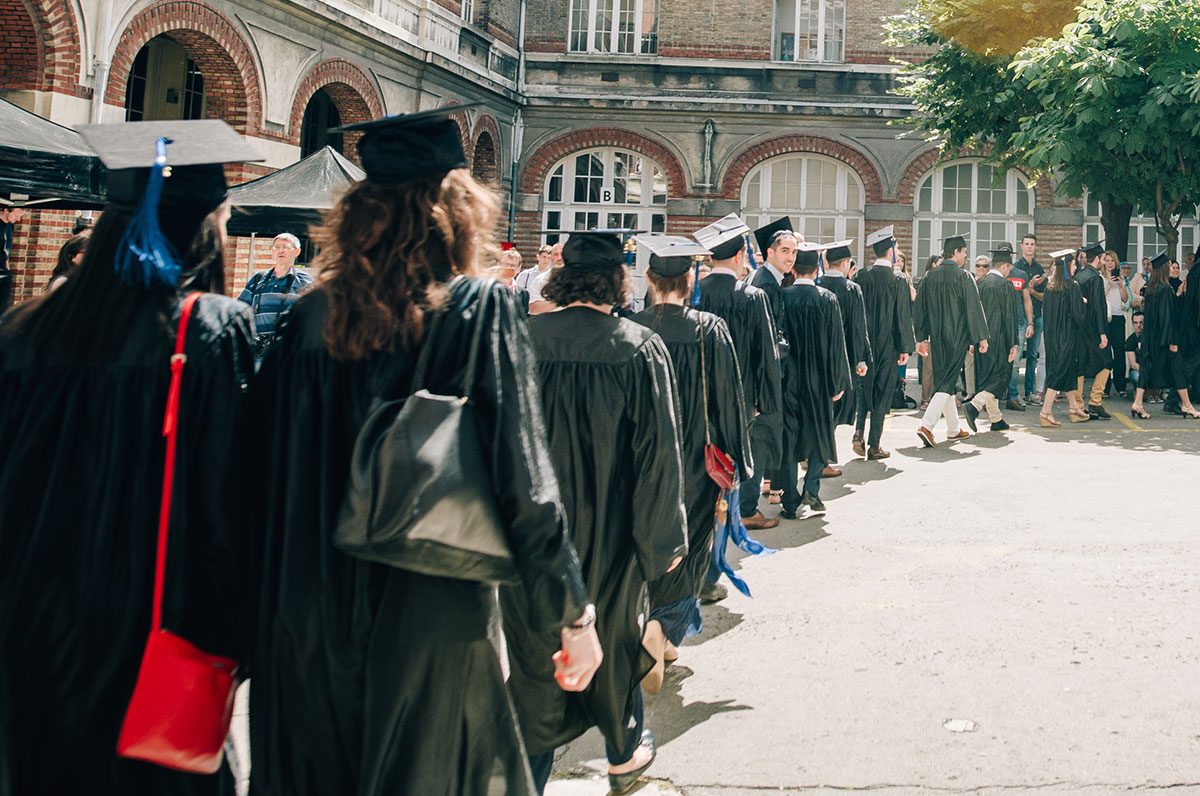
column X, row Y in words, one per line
column 704, row 102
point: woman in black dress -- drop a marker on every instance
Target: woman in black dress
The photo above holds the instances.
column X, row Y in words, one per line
column 1163, row 365
column 1064, row 313
column 674, row 598
column 84, row 371
column 370, row 679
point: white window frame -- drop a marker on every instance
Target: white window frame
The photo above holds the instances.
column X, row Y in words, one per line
column 649, row 215
column 762, row 212
column 931, row 227
column 467, row 13
column 824, row 9
column 1144, row 238
column 644, row 42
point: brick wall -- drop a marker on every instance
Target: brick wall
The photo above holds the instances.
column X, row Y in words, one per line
column 501, row 18
column 20, row 56
column 865, row 33
column 546, row 25
column 715, row 29
column 36, row 240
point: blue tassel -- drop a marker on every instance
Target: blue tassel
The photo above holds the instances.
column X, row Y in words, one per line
column 144, row 256
column 696, row 284
column 733, row 528
column 750, row 255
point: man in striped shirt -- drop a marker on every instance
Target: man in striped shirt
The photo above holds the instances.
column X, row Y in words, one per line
column 272, row 291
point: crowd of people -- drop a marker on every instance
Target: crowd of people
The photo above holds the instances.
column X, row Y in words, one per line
column 479, row 515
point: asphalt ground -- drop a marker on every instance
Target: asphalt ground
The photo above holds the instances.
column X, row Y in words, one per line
column 1038, row 588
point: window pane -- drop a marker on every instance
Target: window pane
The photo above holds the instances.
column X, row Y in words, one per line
column 853, row 194
column 649, row 27
column 579, row 26
column 589, row 178
column 808, row 30
column 785, row 25
column 1093, row 207
column 835, row 29
column 625, row 26
column 752, row 192
column 604, row 21
column 956, row 189
column 554, row 220
column 924, row 245
column 992, row 196
column 822, row 186
column 925, row 196
column 1024, row 201
column 554, row 190
column 658, row 223
column 621, row 163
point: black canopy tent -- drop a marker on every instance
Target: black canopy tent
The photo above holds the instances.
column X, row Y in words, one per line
column 46, row 165
column 291, row 198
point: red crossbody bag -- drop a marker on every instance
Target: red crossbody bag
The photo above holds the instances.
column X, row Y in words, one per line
column 717, row 463
column 182, row 704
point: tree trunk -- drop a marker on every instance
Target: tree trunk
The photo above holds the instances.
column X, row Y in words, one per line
column 1114, row 216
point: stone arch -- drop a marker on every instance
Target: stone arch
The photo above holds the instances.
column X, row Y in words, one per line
column 484, row 155
column 751, row 156
column 42, row 47
column 538, row 165
column 232, row 87
column 351, row 91
column 922, row 164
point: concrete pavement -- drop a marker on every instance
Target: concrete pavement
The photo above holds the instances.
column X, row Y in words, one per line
column 1041, row 585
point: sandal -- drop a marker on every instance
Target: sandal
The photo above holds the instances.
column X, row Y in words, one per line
column 1138, row 413
column 1048, row 421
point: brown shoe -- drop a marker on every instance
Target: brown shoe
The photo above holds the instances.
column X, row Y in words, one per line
column 759, row 522
column 875, row 454
column 962, row 434
column 830, row 471
column 926, row 437
column 860, row 449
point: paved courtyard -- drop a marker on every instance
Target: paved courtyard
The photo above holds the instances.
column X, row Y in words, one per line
column 1039, row 589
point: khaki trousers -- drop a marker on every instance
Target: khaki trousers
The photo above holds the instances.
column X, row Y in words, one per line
column 1096, row 397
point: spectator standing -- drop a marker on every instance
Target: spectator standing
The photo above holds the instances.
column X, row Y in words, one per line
column 538, row 304
column 1023, row 322
column 269, row 293
column 1117, row 295
column 1133, row 349
column 1035, row 292
column 9, row 216
column 525, row 279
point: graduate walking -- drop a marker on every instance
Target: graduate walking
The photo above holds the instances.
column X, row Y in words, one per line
column 747, row 314
column 993, row 366
column 887, row 302
column 836, row 280
column 609, row 409
column 1162, row 354
column 949, row 321
column 711, row 410
column 1064, row 311
column 816, row 376
column 1097, row 359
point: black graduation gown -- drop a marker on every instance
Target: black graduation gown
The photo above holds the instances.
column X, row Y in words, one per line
column 765, row 281
column 608, row 398
column 747, row 314
column 1095, row 322
column 949, row 315
column 370, row 679
column 1163, row 367
column 815, row 370
column 1189, row 330
column 80, row 485
column 887, row 304
column 993, row 370
column 858, row 342
column 677, row 327
column 1063, row 311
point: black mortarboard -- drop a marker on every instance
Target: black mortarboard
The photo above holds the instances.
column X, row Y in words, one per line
column 1002, row 254
column 1093, row 249
column 954, row 243
column 724, row 238
column 671, row 255
column 839, row 250
column 195, row 152
column 809, row 254
column 591, row 251
column 164, row 173
column 1159, row 260
column 766, row 235
column 407, row 146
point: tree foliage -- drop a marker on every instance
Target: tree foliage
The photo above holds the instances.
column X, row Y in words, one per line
column 1111, row 102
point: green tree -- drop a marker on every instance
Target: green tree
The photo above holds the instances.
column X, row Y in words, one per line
column 1110, row 103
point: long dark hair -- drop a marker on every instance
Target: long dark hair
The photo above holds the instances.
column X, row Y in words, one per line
column 66, row 258
column 385, row 250
column 1158, row 276
column 90, row 317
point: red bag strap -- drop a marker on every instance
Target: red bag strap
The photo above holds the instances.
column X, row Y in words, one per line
column 170, row 431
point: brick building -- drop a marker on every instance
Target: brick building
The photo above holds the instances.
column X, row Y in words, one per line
column 655, row 114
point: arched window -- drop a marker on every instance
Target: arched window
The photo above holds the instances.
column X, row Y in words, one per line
column 971, row 198
column 822, row 196
column 320, row 114
column 164, row 84
column 1144, row 238
column 605, row 189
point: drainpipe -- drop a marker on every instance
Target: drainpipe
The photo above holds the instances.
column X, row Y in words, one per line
column 101, row 60
column 518, row 134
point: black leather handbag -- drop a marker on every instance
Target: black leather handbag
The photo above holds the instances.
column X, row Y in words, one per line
column 420, row 491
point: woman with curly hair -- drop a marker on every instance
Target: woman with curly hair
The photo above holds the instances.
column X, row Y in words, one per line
column 609, row 407
column 371, row 679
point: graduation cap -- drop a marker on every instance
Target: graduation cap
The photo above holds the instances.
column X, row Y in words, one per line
column 671, row 255
column 407, row 146
column 1059, row 255
column 839, row 250
column 766, row 235
column 955, row 242
column 593, row 251
column 1002, row 254
column 1159, row 260
column 809, row 254
column 882, row 239
column 164, row 170
column 723, row 238
column 1093, row 249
